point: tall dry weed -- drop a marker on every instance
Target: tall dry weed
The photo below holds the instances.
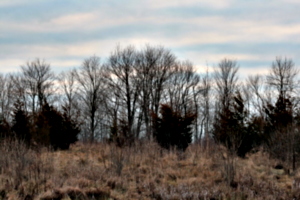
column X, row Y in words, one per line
column 24, row 171
column 141, row 171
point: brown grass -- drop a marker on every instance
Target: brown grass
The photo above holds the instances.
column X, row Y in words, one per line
column 144, row 171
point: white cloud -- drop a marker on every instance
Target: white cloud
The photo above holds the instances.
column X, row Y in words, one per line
column 69, row 22
column 246, row 72
column 199, row 30
column 10, row 65
column 215, row 4
column 9, row 3
column 215, row 30
column 60, row 56
column 148, row 24
column 297, row 2
column 5, row 3
column 74, row 21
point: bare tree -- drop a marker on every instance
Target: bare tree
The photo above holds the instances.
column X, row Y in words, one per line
column 6, row 101
column 283, row 136
column 19, row 90
column 113, row 107
column 183, row 92
column 226, row 82
column 122, row 80
column 204, row 116
column 67, row 81
column 164, row 69
column 181, row 87
column 38, row 79
column 155, row 66
column 255, row 85
column 282, row 76
column 230, row 109
column 226, row 124
column 91, row 91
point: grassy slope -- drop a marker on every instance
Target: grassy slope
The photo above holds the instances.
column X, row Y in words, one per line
column 103, row 171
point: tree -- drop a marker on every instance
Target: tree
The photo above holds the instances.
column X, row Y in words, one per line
column 70, row 97
column 181, row 85
column 231, row 128
column 6, row 96
column 255, row 87
column 41, row 130
column 226, row 86
column 72, row 130
column 121, row 77
column 231, row 115
column 183, row 92
column 281, row 129
column 91, row 92
column 63, row 130
column 282, row 76
column 281, row 134
column 55, row 129
column 226, row 82
column 38, row 79
column 155, row 65
column 21, row 123
column 204, row 107
column 4, row 128
column 172, row 129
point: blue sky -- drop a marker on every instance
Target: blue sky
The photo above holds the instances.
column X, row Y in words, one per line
column 66, row 32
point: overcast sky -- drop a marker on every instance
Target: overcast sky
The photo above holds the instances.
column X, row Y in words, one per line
column 65, row 32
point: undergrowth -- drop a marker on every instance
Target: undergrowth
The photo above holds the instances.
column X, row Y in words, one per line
column 142, row 171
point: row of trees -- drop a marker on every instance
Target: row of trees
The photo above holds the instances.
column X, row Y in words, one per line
column 261, row 111
column 150, row 94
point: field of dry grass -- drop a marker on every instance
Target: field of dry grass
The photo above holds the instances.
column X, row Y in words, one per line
column 144, row 171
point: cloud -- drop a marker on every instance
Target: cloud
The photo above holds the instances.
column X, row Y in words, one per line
column 10, row 65
column 60, row 56
column 9, row 3
column 201, row 31
column 83, row 27
column 214, row 4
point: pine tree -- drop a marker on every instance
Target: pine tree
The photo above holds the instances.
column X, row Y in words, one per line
column 21, row 123
column 55, row 129
column 232, row 130
column 172, row 129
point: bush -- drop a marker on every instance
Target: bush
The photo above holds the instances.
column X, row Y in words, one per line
column 234, row 129
column 172, row 129
column 55, row 129
column 21, row 124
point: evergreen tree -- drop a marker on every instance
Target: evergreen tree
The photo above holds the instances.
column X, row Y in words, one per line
column 4, row 128
column 21, row 123
column 55, row 129
column 71, row 129
column 172, row 129
column 232, row 130
column 280, row 131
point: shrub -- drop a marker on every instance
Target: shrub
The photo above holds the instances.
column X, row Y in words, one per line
column 55, row 129
column 21, row 124
column 172, row 129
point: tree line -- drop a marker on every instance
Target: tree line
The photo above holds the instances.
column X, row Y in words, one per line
column 149, row 94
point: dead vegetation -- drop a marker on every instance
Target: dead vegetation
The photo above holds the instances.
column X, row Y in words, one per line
column 143, row 171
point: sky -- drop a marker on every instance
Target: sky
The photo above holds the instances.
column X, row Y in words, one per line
column 65, row 32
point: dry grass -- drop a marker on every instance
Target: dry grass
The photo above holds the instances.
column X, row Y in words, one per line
column 144, row 171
